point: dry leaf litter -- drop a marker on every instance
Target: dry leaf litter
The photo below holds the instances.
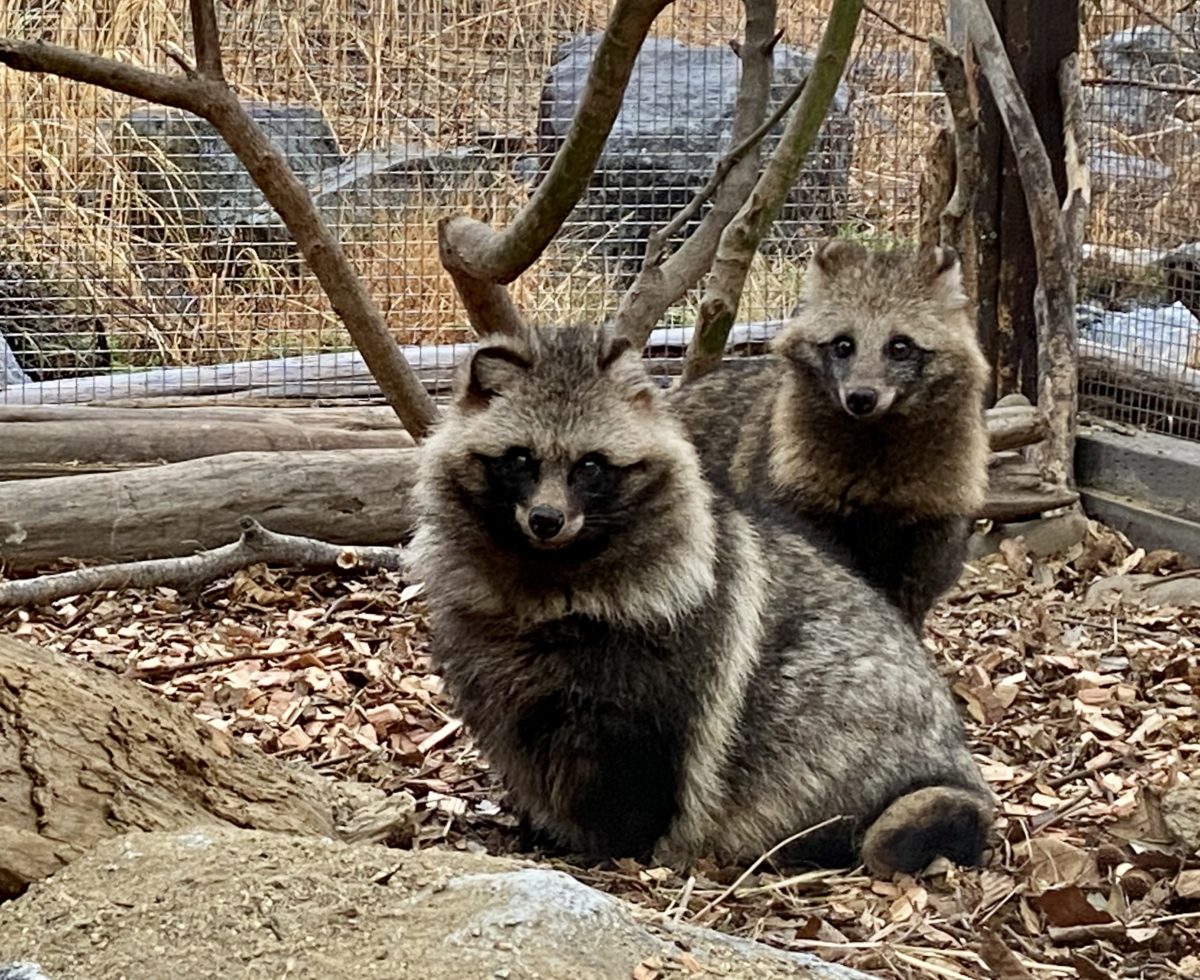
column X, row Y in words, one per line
column 1081, row 699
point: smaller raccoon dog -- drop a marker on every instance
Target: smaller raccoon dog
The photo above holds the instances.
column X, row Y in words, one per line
column 868, row 423
column 641, row 672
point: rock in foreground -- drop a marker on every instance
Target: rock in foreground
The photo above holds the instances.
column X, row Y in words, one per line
column 239, row 904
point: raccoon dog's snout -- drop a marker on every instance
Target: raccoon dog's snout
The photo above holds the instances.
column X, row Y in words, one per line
column 861, row 401
column 546, row 521
column 867, row 401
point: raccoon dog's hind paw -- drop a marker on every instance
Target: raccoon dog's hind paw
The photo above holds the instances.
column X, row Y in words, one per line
column 937, row 821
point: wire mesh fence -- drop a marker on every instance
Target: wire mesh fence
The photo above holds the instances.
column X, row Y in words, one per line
column 135, row 250
column 1138, row 326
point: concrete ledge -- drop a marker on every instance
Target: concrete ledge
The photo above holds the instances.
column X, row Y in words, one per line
column 1159, row 472
column 1145, row 527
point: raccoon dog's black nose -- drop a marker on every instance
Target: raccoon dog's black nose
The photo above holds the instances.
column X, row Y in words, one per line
column 546, row 521
column 862, row 401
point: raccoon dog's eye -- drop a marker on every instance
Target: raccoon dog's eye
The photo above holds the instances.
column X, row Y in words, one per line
column 899, row 348
column 518, row 458
column 589, row 469
column 843, row 346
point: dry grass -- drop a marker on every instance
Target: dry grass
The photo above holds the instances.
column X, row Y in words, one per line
column 432, row 73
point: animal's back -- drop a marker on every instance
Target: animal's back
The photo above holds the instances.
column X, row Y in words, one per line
column 848, row 701
column 726, row 413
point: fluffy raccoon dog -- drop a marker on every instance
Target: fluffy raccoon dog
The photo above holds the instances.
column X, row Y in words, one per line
column 868, row 422
column 643, row 674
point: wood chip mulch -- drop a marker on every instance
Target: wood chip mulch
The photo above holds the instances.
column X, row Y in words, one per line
column 1084, row 713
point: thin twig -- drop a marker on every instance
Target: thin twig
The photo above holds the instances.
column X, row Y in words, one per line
column 760, row 859
column 898, row 28
column 1144, row 83
column 656, row 246
column 256, row 544
column 166, row 671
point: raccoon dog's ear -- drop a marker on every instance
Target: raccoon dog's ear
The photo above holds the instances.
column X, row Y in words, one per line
column 939, row 268
column 488, row 371
column 837, row 255
column 611, row 349
column 628, row 371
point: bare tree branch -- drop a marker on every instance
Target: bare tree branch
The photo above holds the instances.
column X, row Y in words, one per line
column 1078, row 204
column 740, row 240
column 956, row 225
column 1054, row 299
column 207, row 95
column 661, row 284
column 207, row 40
column 255, row 545
column 965, row 126
column 482, row 260
column 656, row 246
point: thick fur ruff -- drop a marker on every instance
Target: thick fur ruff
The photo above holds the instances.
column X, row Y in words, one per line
column 676, row 677
column 892, row 493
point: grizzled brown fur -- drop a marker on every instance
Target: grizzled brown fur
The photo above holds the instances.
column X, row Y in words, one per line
column 647, row 668
column 868, row 420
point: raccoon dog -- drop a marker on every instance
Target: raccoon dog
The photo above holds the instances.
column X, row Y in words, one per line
column 634, row 663
column 868, row 422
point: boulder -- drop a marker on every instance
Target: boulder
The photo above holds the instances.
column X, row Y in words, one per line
column 191, row 177
column 673, row 128
column 1141, row 182
column 357, row 191
column 11, row 372
column 47, row 329
column 1150, row 54
column 222, row 902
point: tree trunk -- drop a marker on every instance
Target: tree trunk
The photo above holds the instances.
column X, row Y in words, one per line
column 86, row 755
column 352, row 496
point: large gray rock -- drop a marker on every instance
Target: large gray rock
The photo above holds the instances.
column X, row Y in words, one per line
column 47, row 327
column 244, row 904
column 191, row 177
column 357, row 192
column 674, row 126
column 1149, row 55
column 11, row 372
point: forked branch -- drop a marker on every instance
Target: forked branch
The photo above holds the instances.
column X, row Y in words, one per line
column 740, row 240
column 482, row 260
column 205, row 93
column 256, row 544
column 663, row 280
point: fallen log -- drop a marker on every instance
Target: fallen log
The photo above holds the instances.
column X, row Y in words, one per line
column 1014, row 427
column 328, row 374
column 48, row 441
column 349, row 496
column 352, row 418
